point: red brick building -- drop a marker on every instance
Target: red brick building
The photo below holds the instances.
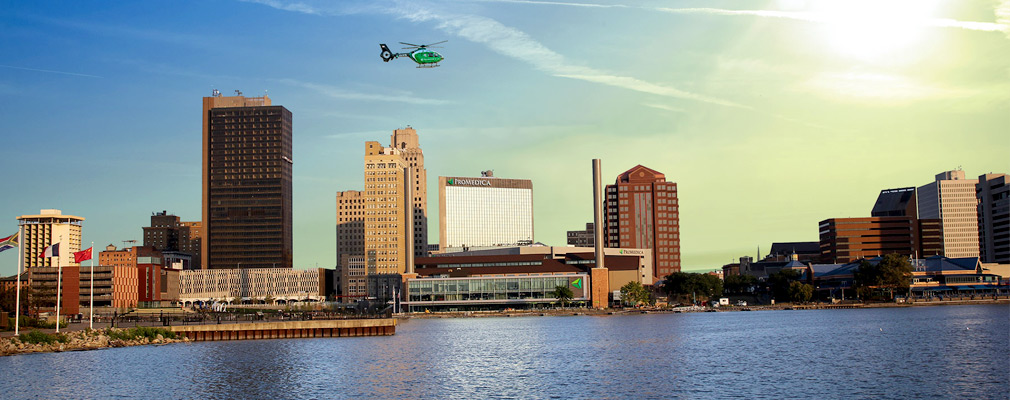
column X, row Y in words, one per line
column 642, row 212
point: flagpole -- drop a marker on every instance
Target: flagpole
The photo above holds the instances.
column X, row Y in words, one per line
column 91, row 312
column 59, row 283
column 21, row 261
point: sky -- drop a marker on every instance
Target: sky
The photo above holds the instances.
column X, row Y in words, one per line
column 770, row 115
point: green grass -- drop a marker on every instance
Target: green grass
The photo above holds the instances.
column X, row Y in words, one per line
column 140, row 332
column 36, row 337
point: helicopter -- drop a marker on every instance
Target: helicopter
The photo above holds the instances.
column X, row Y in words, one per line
column 421, row 55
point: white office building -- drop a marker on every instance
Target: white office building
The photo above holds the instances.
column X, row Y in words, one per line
column 485, row 212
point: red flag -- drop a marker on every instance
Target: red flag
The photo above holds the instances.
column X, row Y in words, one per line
column 82, row 255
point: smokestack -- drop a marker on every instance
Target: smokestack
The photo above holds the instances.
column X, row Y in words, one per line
column 598, row 212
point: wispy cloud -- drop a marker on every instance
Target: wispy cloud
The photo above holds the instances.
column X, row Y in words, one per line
column 343, row 94
column 49, row 71
column 1002, row 11
column 821, row 17
column 513, row 43
column 664, row 107
column 556, row 3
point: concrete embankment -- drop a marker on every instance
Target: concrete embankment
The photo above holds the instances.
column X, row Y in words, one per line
column 288, row 329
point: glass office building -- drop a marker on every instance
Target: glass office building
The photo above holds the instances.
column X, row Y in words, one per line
column 484, row 212
column 492, row 293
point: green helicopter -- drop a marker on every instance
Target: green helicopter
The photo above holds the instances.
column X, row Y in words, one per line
column 421, row 54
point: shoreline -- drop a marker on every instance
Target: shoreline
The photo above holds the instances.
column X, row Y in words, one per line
column 689, row 309
column 78, row 341
column 83, row 340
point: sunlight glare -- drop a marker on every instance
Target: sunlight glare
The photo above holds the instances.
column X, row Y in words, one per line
column 870, row 30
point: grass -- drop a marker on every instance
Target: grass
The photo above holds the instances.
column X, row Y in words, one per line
column 36, row 337
column 140, row 332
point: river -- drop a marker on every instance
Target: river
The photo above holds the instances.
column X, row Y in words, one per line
column 908, row 353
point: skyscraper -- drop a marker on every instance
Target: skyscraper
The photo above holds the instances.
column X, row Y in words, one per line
column 44, row 229
column 406, row 140
column 484, row 212
column 642, row 212
column 247, row 163
column 951, row 199
column 389, row 204
column 993, row 195
column 39, row 231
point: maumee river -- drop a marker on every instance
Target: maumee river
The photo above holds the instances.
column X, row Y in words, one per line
column 947, row 352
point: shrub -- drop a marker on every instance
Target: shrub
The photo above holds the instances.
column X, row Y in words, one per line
column 140, row 332
column 36, row 337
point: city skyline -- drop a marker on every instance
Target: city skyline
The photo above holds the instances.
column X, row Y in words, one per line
column 769, row 116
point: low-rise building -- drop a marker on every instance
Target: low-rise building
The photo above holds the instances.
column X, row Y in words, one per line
column 254, row 285
column 518, row 277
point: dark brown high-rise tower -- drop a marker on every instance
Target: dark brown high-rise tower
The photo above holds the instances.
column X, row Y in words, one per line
column 247, row 164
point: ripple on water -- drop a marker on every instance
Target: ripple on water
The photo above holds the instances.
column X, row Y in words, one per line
column 921, row 352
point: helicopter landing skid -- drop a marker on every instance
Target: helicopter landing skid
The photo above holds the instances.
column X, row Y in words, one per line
column 427, row 66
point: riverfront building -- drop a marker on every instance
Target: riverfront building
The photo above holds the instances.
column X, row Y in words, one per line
column 951, row 199
column 148, row 263
column 247, row 161
column 848, row 239
column 642, row 212
column 993, row 196
column 519, row 277
column 42, row 230
column 168, row 234
column 485, row 212
column 406, row 140
column 389, row 224
column 253, row 285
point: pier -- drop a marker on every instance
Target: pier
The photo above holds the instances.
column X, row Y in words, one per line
column 288, row 329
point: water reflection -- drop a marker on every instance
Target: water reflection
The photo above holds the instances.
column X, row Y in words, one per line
column 928, row 352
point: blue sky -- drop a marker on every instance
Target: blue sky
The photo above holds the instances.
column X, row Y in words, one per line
column 770, row 115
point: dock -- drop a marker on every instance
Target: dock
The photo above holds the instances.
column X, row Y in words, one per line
column 288, row 329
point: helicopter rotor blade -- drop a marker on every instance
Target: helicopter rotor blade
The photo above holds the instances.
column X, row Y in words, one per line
column 429, row 45
column 410, row 44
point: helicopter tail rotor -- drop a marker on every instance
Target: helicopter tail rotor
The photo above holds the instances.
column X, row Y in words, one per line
column 386, row 53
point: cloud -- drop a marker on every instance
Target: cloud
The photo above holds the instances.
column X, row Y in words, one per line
column 50, row 71
column 513, row 43
column 664, row 107
column 556, row 3
column 1002, row 11
column 343, row 94
column 1001, row 24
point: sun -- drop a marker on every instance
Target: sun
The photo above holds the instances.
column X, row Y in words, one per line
column 872, row 30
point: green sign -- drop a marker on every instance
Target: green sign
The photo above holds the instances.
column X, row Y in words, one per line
column 577, row 283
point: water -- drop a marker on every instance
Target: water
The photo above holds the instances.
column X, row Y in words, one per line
column 921, row 352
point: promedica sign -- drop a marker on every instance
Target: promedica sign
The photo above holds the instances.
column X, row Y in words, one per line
column 467, row 182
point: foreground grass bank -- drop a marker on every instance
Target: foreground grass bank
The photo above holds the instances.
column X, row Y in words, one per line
column 36, row 341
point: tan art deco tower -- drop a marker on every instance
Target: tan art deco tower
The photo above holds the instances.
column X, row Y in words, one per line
column 406, row 141
column 388, row 201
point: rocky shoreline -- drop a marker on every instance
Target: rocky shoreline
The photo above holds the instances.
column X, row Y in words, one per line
column 79, row 340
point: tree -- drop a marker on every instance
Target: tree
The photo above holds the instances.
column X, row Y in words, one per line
column 779, row 283
column 634, row 293
column 269, row 299
column 893, row 271
column 800, row 292
column 563, row 294
column 739, row 284
column 692, row 285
